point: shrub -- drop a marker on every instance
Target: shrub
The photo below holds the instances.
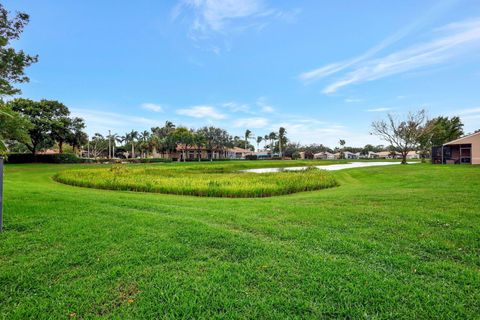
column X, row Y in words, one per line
column 43, row 158
column 251, row 157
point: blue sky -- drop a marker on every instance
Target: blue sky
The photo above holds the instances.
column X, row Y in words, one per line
column 323, row 69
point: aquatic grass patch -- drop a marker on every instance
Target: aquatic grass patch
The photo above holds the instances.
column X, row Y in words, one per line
column 217, row 181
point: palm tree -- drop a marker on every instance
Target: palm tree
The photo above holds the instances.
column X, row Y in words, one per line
column 144, row 137
column 259, row 139
column 342, row 144
column 115, row 139
column 248, row 134
column 272, row 136
column 131, row 137
column 281, row 139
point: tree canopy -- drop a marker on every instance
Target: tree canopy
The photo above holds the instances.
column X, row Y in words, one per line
column 12, row 62
column 403, row 134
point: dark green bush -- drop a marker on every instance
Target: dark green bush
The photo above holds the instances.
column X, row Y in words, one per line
column 251, row 157
column 43, row 158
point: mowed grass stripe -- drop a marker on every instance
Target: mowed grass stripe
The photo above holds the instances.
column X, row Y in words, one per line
column 375, row 248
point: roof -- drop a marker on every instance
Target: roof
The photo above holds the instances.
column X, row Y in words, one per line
column 462, row 138
column 237, row 149
column 384, row 153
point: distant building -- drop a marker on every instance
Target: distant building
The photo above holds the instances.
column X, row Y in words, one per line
column 373, row 155
column 324, row 155
column 465, row 150
column 238, row 153
column 351, row 155
column 413, row 155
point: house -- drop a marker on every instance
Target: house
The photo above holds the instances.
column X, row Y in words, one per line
column 324, row 155
column 465, row 150
column 351, row 155
column 238, row 153
column 388, row 155
column 373, row 155
column 413, row 155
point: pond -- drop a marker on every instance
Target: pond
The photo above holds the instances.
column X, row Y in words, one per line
column 332, row 167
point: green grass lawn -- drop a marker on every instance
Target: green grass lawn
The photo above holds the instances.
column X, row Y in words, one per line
column 398, row 242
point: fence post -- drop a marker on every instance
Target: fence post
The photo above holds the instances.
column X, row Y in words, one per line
column 1, row 194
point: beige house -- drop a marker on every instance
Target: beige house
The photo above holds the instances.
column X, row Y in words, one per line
column 464, row 150
column 238, row 153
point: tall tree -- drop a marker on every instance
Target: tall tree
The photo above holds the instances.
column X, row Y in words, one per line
column 12, row 62
column 445, row 129
column 98, row 145
column 199, row 141
column 259, row 140
column 13, row 127
column 77, row 137
column 282, row 139
column 248, row 135
column 272, row 137
column 131, row 138
column 440, row 130
column 45, row 116
column 403, row 134
column 183, row 138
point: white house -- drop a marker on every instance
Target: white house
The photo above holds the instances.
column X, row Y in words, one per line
column 373, row 155
column 351, row 155
column 324, row 155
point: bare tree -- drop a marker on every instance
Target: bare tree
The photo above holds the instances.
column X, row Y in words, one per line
column 403, row 134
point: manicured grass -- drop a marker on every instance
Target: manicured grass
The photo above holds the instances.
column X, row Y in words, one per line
column 396, row 242
column 213, row 180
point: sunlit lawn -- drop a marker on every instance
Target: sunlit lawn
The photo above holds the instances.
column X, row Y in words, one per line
column 398, row 242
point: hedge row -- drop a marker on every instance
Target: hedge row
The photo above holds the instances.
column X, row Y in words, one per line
column 43, row 158
column 71, row 158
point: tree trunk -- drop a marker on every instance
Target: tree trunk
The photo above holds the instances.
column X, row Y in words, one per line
column 404, row 157
column 60, row 146
column 133, row 151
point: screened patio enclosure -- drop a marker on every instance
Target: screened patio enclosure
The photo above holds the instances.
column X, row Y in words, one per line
column 452, row 154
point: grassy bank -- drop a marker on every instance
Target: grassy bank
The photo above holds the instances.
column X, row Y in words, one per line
column 397, row 242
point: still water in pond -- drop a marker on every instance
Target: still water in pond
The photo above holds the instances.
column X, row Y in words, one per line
column 332, row 167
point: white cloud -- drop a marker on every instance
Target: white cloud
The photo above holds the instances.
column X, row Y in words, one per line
column 308, row 131
column 209, row 18
column 101, row 122
column 252, row 123
column 152, row 107
column 208, row 112
column 351, row 100
column 216, row 15
column 469, row 111
column 455, row 40
column 264, row 105
column 236, row 107
column 383, row 109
